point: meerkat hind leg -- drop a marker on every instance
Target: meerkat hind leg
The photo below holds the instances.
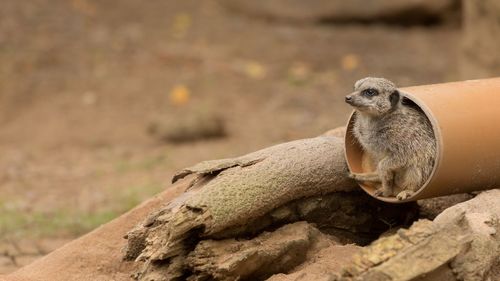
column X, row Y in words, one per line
column 387, row 189
column 383, row 191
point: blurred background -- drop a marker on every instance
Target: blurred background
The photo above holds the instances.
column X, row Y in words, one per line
column 102, row 101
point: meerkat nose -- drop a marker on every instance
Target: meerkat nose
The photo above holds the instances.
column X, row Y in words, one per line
column 348, row 99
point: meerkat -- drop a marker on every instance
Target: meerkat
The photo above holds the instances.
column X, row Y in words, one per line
column 396, row 134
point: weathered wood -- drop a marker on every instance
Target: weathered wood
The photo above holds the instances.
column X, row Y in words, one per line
column 235, row 192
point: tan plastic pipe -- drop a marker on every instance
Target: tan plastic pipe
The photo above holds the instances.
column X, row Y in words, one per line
column 466, row 120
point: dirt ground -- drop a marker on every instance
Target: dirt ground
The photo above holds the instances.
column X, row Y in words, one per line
column 81, row 80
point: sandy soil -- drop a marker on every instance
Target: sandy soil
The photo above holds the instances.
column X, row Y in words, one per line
column 81, row 80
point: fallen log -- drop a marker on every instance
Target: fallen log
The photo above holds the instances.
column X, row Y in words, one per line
column 240, row 197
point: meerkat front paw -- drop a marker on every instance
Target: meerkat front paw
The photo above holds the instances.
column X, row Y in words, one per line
column 405, row 194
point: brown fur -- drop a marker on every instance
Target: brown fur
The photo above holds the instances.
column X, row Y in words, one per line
column 396, row 134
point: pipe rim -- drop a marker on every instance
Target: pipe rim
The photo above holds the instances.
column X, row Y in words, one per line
column 438, row 159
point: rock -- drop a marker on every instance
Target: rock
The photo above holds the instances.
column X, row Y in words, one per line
column 344, row 11
column 430, row 208
column 188, row 128
column 462, row 243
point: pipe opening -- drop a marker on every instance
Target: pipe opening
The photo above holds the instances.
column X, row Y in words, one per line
column 359, row 161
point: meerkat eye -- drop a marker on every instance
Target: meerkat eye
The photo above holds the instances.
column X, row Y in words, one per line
column 369, row 92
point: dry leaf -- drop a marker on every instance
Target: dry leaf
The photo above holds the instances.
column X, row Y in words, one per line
column 255, row 70
column 179, row 95
column 350, row 62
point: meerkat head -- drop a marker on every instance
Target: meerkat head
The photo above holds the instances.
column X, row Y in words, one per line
column 374, row 96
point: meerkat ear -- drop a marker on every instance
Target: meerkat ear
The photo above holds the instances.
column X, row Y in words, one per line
column 394, row 98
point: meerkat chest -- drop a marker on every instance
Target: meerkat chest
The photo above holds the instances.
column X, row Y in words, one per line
column 373, row 135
